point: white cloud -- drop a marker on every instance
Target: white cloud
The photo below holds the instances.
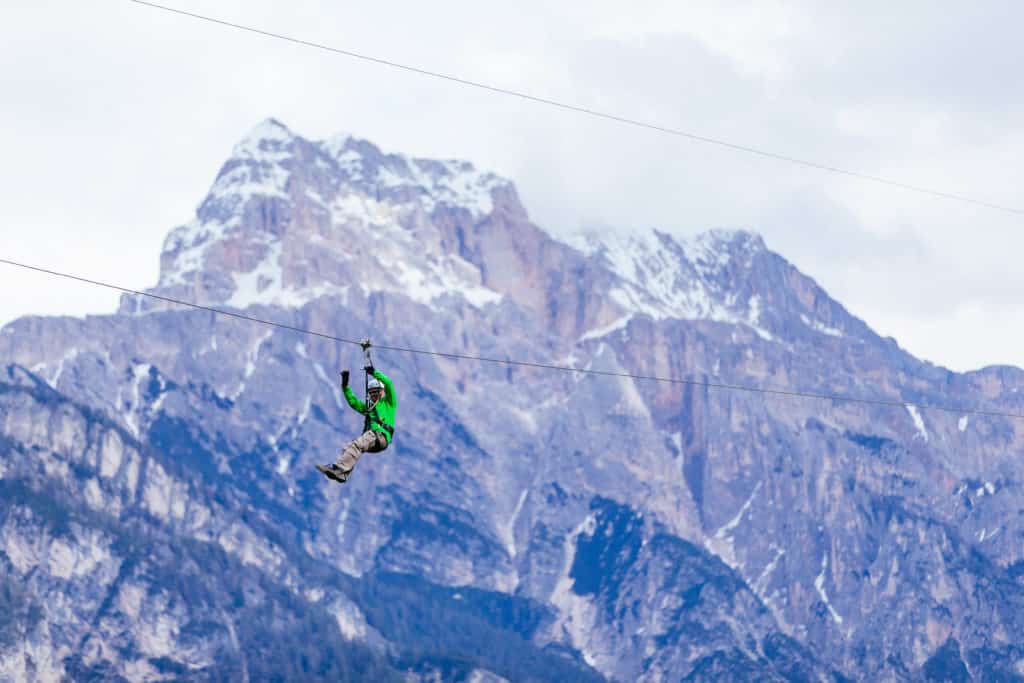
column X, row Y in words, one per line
column 118, row 116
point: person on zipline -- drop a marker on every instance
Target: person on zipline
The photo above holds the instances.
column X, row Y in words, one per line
column 378, row 424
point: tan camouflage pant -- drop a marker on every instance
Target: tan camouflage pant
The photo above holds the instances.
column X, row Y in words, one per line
column 368, row 442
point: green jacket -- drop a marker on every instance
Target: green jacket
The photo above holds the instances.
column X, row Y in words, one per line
column 383, row 412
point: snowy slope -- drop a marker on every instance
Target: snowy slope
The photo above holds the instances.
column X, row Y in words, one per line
column 363, row 219
column 665, row 277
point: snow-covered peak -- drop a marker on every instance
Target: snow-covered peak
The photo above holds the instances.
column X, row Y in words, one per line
column 263, row 159
column 711, row 251
column 667, row 277
column 457, row 183
column 283, row 202
column 268, row 136
column 432, row 183
column 344, row 144
column 654, row 257
column 260, row 166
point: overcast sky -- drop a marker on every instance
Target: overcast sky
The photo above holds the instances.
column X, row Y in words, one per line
column 116, row 117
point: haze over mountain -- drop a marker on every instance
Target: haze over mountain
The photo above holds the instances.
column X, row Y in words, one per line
column 162, row 516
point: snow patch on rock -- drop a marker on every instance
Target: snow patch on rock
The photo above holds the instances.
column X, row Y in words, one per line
column 508, row 530
column 426, row 285
column 427, row 182
column 484, row 676
column 614, row 326
column 241, row 542
column 184, row 250
column 760, row 585
column 819, row 326
column 922, row 433
column 67, row 561
column 265, row 285
column 251, row 356
column 351, row 621
column 663, row 277
column 318, row 370
column 157, row 491
column 819, row 585
column 721, row 543
column 69, row 356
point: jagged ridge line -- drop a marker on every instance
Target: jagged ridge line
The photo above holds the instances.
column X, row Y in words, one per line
column 592, row 112
column 522, row 363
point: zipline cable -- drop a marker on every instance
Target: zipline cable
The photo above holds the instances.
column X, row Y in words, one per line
column 590, row 112
column 521, row 363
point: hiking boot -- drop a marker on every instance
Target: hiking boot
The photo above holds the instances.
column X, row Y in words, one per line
column 334, row 472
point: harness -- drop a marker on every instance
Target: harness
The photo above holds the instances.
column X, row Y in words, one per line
column 372, row 418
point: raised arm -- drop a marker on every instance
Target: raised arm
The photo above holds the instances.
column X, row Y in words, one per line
column 353, row 400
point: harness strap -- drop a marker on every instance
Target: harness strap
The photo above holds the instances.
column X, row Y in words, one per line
column 374, row 419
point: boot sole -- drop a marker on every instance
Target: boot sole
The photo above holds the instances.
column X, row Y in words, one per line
column 327, row 472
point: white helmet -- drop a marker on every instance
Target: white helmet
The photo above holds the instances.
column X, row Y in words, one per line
column 374, row 383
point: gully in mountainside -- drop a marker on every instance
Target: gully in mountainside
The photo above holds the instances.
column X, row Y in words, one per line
column 379, row 419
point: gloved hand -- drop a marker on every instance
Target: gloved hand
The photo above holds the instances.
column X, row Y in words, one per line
column 369, row 369
column 344, row 379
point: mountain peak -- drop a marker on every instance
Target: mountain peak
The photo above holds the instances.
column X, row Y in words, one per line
column 733, row 239
column 718, row 242
column 726, row 276
column 266, row 136
column 661, row 275
column 452, row 182
column 289, row 219
column 647, row 257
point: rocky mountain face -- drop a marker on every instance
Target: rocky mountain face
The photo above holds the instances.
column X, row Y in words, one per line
column 162, row 519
